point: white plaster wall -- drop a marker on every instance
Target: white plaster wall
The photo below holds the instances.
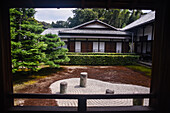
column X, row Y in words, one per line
column 95, row 26
column 119, row 47
column 95, row 46
column 147, row 31
column 102, row 47
column 77, row 46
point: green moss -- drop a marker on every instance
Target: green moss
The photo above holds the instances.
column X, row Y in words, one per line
column 142, row 69
column 24, row 78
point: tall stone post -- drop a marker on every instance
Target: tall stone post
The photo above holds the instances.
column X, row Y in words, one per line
column 63, row 87
column 83, row 79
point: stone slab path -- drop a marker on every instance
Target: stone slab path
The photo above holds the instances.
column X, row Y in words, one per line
column 97, row 87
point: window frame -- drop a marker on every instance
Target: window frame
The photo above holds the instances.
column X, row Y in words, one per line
column 158, row 83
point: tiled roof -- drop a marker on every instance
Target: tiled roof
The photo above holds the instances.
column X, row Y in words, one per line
column 53, row 30
column 92, row 21
column 93, row 31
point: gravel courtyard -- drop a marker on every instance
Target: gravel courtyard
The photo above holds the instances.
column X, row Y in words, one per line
column 94, row 86
column 110, row 74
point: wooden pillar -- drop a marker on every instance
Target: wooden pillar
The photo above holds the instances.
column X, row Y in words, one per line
column 87, row 46
column 142, row 40
column 138, row 102
column 98, row 44
column 152, row 38
column 68, row 45
column 161, row 60
column 6, row 86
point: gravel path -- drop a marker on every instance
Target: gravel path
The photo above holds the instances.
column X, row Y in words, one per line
column 98, row 87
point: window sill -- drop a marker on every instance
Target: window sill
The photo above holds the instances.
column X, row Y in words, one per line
column 119, row 109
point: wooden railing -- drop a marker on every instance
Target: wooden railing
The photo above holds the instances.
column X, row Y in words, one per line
column 82, row 98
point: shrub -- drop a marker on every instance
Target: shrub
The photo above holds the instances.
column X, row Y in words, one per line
column 91, row 53
column 103, row 59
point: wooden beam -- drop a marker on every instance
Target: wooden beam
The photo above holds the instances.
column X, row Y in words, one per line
column 123, row 4
column 80, row 96
column 108, row 109
column 82, row 4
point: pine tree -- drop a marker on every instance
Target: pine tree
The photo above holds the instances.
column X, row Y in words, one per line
column 26, row 49
column 55, row 54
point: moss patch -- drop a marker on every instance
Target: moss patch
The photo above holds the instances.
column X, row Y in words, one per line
column 144, row 70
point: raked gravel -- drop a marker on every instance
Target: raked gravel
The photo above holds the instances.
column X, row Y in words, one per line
column 98, row 87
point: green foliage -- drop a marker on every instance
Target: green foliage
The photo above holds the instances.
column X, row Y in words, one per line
column 91, row 53
column 134, row 16
column 103, row 59
column 45, row 24
column 116, row 17
column 82, row 16
column 142, row 69
column 26, row 50
column 59, row 24
column 55, row 54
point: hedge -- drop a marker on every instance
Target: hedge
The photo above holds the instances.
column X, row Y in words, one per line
column 92, row 53
column 103, row 59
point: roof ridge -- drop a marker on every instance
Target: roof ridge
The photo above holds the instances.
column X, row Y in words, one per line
column 95, row 20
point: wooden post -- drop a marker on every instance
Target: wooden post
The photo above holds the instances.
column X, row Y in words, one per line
column 82, row 105
column 63, row 87
column 83, row 79
column 138, row 101
column 6, row 86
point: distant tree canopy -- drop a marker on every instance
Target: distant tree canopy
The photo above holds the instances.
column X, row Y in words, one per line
column 59, row 24
column 116, row 17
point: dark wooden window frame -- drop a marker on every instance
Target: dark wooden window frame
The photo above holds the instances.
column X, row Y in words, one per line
column 159, row 97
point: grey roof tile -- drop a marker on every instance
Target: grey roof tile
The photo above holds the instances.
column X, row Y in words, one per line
column 91, row 31
column 53, row 30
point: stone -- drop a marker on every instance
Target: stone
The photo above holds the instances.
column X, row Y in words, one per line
column 63, row 87
column 83, row 79
column 108, row 91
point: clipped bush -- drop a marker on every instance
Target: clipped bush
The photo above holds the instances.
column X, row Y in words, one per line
column 98, row 53
column 103, row 60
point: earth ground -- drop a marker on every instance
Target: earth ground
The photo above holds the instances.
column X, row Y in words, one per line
column 40, row 82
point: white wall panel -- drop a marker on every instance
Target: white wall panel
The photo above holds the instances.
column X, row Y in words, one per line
column 119, row 47
column 95, row 46
column 77, row 46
